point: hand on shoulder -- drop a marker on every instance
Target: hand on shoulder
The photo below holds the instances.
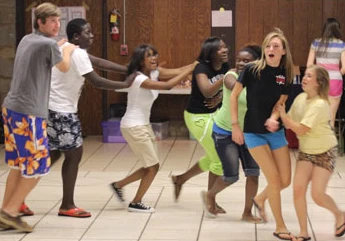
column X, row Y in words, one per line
column 69, row 48
column 61, row 42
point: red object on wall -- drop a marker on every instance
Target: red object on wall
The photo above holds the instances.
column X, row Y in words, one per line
column 291, row 138
column 114, row 24
column 115, row 33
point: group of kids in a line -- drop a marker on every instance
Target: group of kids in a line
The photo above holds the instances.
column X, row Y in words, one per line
column 235, row 115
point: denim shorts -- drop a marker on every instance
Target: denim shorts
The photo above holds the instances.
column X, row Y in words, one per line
column 274, row 140
column 229, row 153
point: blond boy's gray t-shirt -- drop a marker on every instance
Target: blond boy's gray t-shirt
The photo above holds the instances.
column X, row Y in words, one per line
column 30, row 86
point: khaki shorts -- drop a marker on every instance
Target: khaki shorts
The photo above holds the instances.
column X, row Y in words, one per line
column 325, row 160
column 142, row 141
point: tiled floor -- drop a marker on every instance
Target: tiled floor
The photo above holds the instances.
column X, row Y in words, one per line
column 182, row 221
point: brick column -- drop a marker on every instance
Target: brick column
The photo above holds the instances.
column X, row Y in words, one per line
column 7, row 44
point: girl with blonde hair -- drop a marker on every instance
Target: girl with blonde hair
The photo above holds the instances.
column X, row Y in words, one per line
column 268, row 83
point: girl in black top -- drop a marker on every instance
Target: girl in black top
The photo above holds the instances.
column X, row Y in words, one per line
column 204, row 101
column 268, row 82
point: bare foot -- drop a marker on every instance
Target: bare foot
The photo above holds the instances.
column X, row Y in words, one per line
column 251, row 219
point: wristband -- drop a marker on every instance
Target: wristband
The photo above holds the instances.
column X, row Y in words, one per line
column 234, row 123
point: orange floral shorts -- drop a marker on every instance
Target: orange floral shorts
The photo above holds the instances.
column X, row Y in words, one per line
column 26, row 143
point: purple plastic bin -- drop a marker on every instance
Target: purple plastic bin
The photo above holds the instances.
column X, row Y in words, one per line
column 112, row 132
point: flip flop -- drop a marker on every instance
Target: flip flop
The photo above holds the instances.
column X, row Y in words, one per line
column 342, row 232
column 262, row 213
column 75, row 213
column 25, row 210
column 219, row 209
column 277, row 235
column 177, row 187
column 208, row 214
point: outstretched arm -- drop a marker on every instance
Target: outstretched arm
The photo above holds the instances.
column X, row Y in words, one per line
column 167, row 85
column 170, row 73
column 107, row 65
column 104, row 83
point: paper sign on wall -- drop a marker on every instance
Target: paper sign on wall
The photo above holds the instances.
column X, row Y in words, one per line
column 221, row 18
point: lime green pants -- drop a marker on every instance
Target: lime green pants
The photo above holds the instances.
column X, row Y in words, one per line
column 200, row 126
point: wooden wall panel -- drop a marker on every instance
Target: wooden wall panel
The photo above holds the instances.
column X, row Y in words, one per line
column 176, row 28
column 315, row 21
column 329, row 8
column 299, row 44
column 162, row 29
column 286, row 23
column 271, row 15
column 300, row 20
column 340, row 13
column 256, row 20
column 242, row 24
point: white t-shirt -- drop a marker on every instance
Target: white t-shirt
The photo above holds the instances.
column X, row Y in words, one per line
column 139, row 102
column 66, row 87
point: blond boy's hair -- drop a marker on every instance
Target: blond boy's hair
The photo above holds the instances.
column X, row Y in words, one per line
column 44, row 11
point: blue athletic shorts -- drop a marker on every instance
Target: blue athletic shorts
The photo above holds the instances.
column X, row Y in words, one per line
column 274, row 140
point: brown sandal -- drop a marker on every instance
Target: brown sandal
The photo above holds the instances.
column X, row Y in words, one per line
column 15, row 222
column 177, row 187
column 4, row 227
